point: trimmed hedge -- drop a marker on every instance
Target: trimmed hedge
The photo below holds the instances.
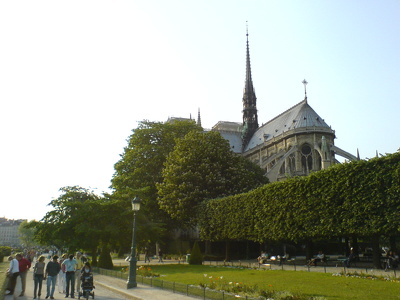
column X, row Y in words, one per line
column 360, row 198
column 196, row 258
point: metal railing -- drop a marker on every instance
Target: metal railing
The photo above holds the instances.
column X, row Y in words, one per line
column 209, row 294
column 175, row 287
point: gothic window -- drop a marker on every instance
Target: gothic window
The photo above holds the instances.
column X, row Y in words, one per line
column 306, row 159
column 292, row 163
column 282, row 169
column 318, row 160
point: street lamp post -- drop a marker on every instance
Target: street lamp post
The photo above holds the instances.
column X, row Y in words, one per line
column 132, row 262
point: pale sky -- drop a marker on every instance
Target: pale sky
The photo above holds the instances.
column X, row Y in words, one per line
column 77, row 76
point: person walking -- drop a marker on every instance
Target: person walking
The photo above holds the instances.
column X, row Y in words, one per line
column 38, row 275
column 52, row 270
column 24, row 266
column 70, row 267
column 146, row 255
column 79, row 266
column 12, row 273
column 160, row 256
column 61, row 275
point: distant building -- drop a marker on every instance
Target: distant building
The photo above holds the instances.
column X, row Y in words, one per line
column 9, row 235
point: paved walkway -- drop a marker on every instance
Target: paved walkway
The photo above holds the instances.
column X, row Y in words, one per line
column 141, row 292
column 117, row 285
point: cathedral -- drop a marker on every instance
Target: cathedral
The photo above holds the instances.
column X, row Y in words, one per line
column 294, row 143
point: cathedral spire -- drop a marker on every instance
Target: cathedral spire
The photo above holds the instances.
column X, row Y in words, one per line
column 305, row 89
column 198, row 117
column 250, row 118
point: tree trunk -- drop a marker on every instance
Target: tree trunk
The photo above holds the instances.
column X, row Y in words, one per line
column 94, row 257
column 120, row 252
column 309, row 249
column 392, row 243
column 207, row 246
column 355, row 248
column 376, row 252
column 347, row 247
column 227, row 250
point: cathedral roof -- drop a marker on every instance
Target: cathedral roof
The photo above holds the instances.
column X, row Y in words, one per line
column 232, row 132
column 299, row 116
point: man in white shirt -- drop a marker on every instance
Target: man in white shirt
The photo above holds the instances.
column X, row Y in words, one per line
column 13, row 272
column 70, row 267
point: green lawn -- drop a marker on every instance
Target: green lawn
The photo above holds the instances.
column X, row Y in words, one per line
column 3, row 268
column 297, row 282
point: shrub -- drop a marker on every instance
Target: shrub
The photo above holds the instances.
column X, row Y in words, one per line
column 105, row 260
column 196, row 258
column 4, row 251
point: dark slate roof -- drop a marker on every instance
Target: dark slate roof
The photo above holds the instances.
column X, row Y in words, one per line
column 232, row 132
column 299, row 116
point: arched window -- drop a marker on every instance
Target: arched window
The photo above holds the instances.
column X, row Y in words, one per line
column 318, row 161
column 282, row 170
column 306, row 159
column 292, row 163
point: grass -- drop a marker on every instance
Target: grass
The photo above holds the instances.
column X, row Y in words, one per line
column 3, row 268
column 310, row 284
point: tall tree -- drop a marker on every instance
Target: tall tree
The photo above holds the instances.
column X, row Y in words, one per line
column 140, row 166
column 202, row 167
column 27, row 234
column 77, row 220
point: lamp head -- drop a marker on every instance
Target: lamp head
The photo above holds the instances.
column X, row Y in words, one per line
column 136, row 203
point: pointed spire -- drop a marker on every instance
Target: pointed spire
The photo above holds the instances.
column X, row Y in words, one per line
column 250, row 118
column 249, row 89
column 358, row 155
column 198, row 117
column 305, row 89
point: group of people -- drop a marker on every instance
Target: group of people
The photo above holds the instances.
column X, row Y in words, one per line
column 392, row 260
column 147, row 255
column 19, row 267
column 68, row 270
column 320, row 257
column 262, row 259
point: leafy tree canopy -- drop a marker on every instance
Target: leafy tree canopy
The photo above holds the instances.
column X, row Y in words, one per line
column 139, row 168
column 202, row 167
column 79, row 220
column 27, row 234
